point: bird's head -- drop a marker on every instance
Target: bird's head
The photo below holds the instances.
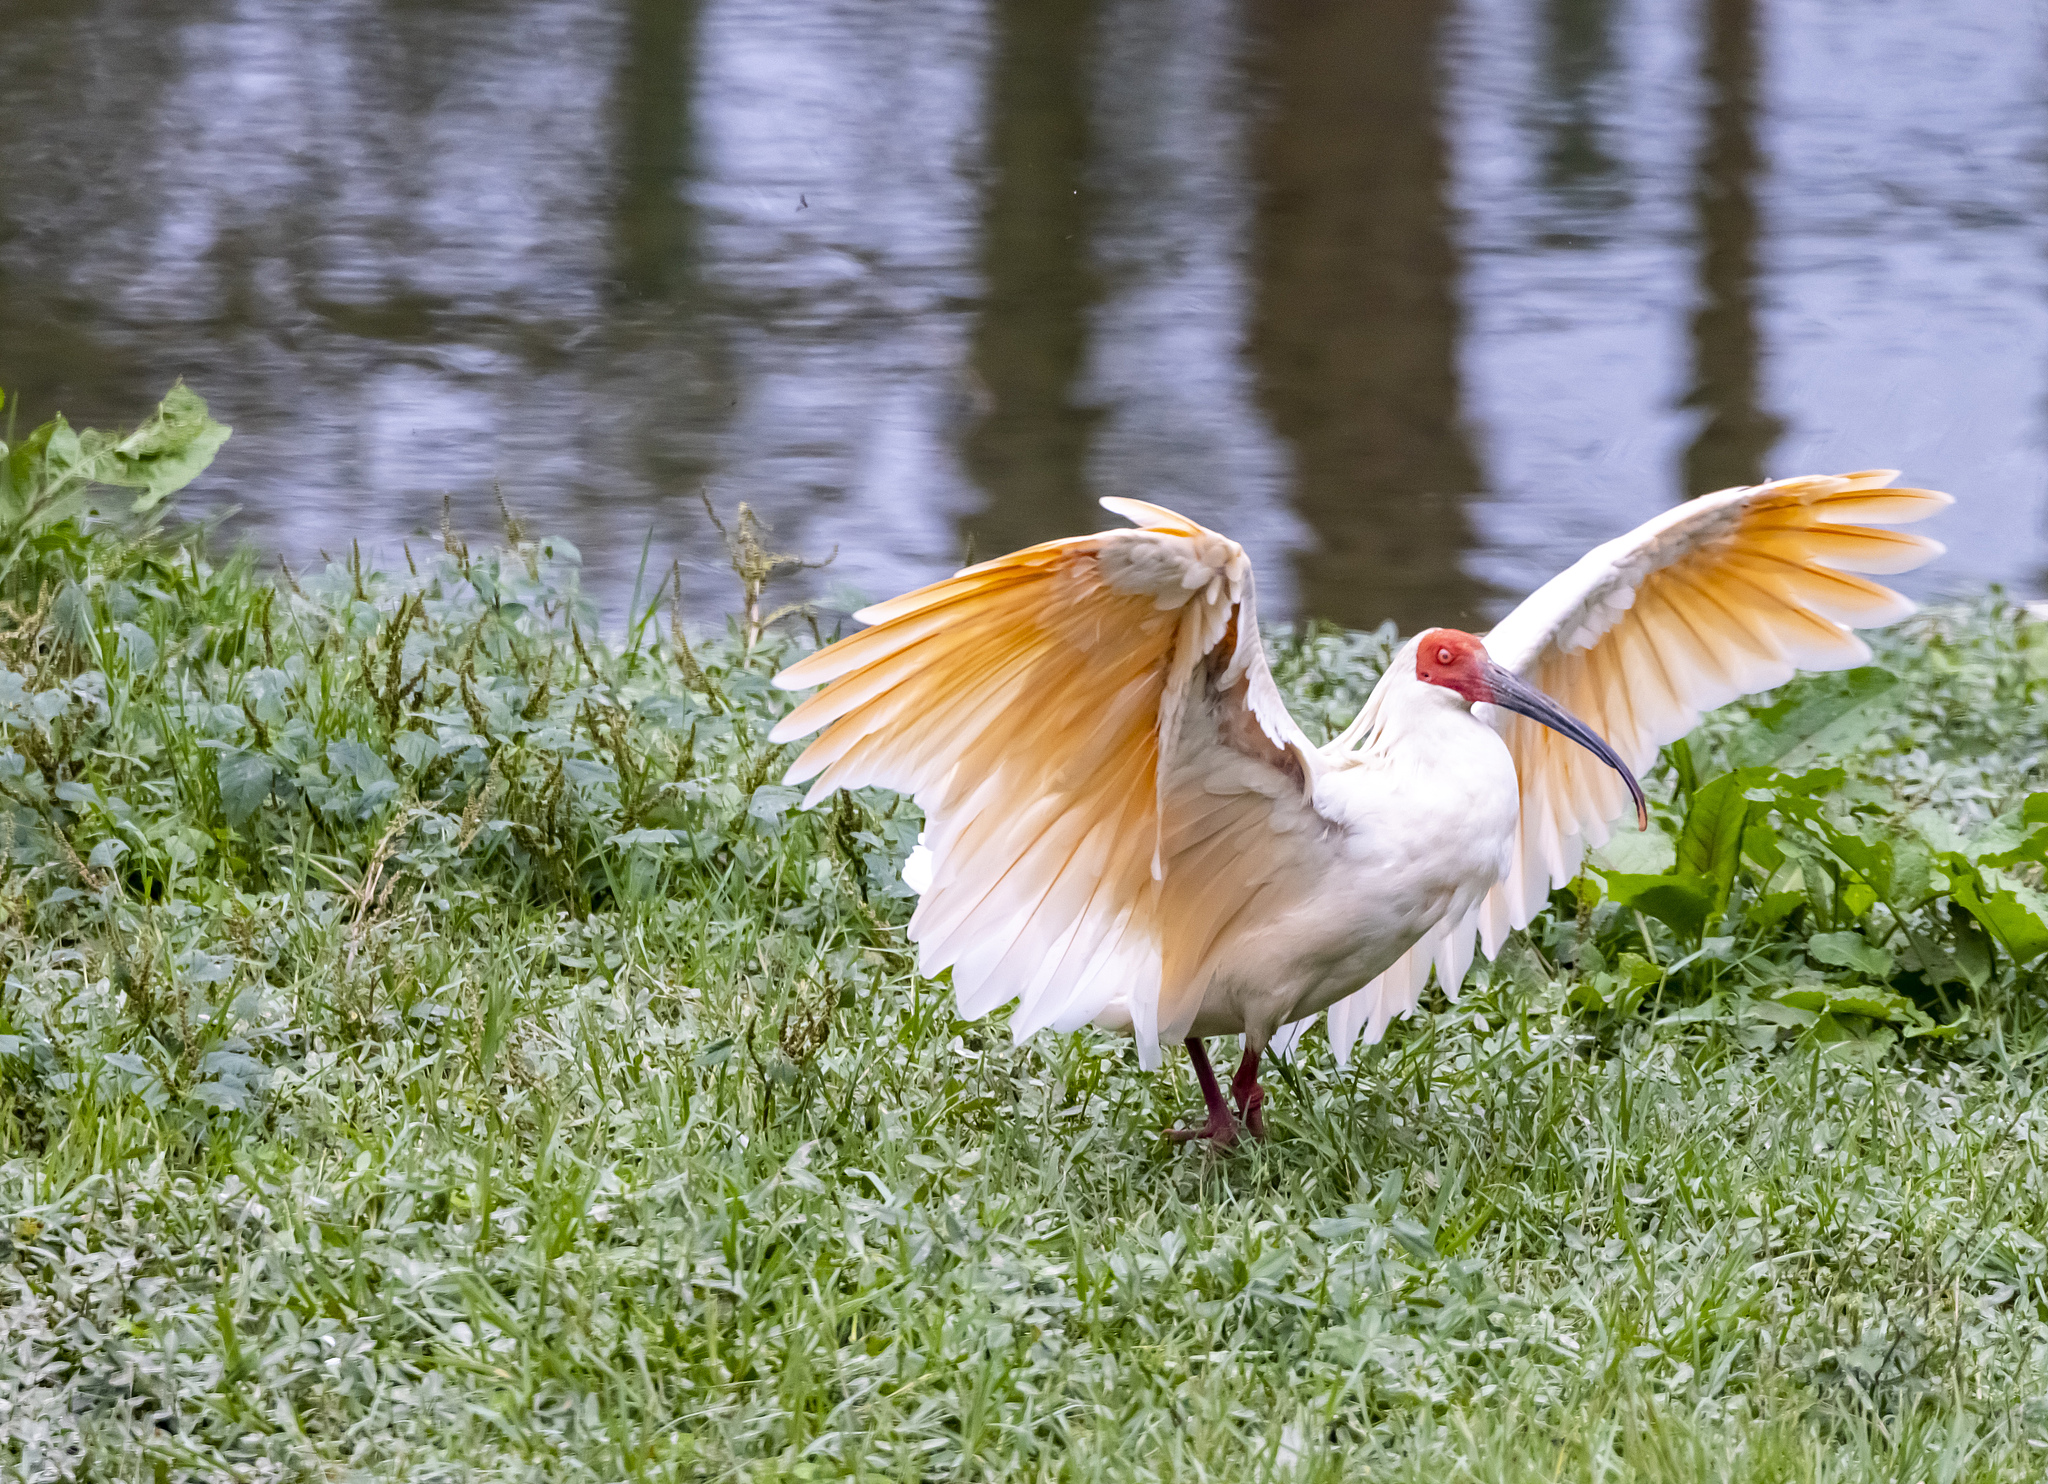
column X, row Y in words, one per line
column 1458, row 662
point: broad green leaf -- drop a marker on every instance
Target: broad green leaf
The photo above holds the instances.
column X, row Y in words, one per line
column 1337, row 1228
column 1817, row 716
column 772, row 800
column 1850, row 951
column 1637, row 970
column 1831, row 1028
column 416, row 748
column 233, row 1066
column 45, row 478
column 166, row 453
column 26, row 497
column 1681, row 903
column 2017, row 916
column 1518, row 964
column 1713, row 1009
column 1772, row 908
column 1712, row 837
column 244, row 779
column 1620, row 988
column 70, row 621
column 1947, row 1032
column 627, row 839
column 1936, row 829
column 120, row 599
column 1710, row 845
column 2015, row 838
column 137, row 648
column 1413, row 1236
column 229, row 1096
column 1912, row 870
column 1791, row 1017
column 63, row 447
column 586, row 772
column 1970, row 946
column 1641, row 852
column 200, row 967
column 2032, row 848
column 1760, row 844
column 130, row 1063
column 1870, row 859
column 353, row 757
column 1829, row 999
column 1729, row 815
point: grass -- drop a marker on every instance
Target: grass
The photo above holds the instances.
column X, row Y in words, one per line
column 432, row 1047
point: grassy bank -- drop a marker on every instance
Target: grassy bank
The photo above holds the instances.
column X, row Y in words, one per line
column 432, row 1047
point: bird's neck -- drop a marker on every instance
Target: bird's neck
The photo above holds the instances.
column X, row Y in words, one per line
column 1412, row 718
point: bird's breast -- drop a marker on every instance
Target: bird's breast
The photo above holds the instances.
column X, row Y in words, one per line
column 1419, row 832
column 1438, row 812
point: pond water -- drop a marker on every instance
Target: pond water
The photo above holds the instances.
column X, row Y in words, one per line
column 1417, row 299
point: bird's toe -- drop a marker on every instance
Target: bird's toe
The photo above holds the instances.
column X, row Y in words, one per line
column 1221, row 1131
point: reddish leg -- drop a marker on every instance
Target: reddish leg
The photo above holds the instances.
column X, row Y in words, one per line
column 1221, row 1129
column 1251, row 1098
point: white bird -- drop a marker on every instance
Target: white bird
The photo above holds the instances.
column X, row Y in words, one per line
column 1126, row 827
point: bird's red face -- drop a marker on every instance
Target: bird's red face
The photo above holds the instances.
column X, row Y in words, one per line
column 1455, row 660
column 1458, row 662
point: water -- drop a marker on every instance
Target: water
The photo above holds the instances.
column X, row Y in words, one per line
column 1416, row 299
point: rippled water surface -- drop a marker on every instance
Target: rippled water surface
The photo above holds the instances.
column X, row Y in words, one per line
column 1417, row 299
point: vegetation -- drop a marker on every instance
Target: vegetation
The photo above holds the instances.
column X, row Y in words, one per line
column 433, row 1045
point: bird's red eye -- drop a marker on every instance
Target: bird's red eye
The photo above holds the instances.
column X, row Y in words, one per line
column 1443, row 656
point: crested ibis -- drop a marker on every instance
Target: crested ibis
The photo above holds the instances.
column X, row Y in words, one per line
column 1124, row 825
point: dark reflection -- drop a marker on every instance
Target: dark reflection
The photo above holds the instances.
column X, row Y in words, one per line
column 1727, row 351
column 1356, row 326
column 1578, row 61
column 660, row 356
column 69, row 370
column 60, row 195
column 1028, row 446
column 651, row 229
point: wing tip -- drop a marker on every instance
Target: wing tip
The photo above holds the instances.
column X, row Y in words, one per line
column 798, row 676
column 1147, row 516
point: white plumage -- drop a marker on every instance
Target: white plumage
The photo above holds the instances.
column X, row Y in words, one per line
column 1125, row 826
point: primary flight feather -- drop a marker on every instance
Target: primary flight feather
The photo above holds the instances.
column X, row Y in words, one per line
column 1125, row 826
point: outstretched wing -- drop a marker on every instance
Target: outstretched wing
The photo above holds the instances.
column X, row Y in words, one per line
column 1714, row 599
column 1027, row 704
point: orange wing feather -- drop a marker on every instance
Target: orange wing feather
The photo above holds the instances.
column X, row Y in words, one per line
column 1026, row 704
column 1717, row 598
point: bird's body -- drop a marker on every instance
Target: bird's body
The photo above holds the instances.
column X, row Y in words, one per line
column 1124, row 825
column 1400, row 834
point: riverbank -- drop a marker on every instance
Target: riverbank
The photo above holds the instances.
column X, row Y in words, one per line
column 433, row 1045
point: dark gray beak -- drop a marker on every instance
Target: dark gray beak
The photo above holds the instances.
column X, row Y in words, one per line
column 1516, row 694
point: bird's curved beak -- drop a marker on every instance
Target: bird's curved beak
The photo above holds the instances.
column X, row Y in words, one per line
column 1516, row 694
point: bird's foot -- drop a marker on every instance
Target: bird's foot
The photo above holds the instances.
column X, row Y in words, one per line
column 1221, row 1130
column 1222, row 1127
